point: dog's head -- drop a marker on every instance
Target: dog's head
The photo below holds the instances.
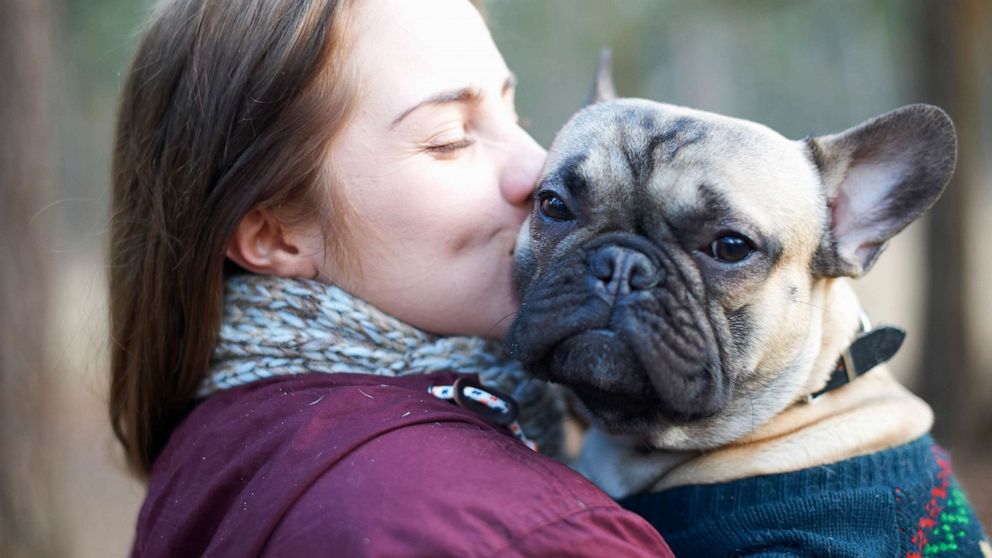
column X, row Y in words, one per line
column 671, row 267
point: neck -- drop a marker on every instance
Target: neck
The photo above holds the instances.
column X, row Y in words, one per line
column 277, row 326
column 871, row 414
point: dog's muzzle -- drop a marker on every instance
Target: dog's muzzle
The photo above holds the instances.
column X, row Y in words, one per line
column 623, row 322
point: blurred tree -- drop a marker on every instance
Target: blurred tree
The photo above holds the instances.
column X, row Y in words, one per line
column 954, row 55
column 26, row 527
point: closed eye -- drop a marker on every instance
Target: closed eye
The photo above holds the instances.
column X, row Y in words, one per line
column 449, row 147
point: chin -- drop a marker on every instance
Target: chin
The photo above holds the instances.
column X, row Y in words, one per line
column 622, row 390
column 600, row 368
column 618, row 413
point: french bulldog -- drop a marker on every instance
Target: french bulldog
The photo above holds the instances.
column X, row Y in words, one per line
column 687, row 276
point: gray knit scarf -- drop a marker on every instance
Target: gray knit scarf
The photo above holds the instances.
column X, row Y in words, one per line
column 277, row 327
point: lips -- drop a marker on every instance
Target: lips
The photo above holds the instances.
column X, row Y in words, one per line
column 604, row 373
column 599, row 360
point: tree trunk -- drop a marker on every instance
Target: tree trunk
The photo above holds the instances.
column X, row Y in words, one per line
column 26, row 523
column 952, row 70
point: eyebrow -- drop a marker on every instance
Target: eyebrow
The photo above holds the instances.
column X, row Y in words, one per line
column 571, row 178
column 461, row 95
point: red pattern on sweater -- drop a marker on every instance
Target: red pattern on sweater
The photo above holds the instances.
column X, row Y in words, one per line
column 932, row 509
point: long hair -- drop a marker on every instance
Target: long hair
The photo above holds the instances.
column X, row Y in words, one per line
column 228, row 105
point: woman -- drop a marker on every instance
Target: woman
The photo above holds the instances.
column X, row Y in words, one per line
column 303, row 190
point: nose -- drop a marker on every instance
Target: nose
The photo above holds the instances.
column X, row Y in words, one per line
column 623, row 270
column 522, row 167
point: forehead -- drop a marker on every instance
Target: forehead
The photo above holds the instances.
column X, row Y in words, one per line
column 407, row 50
column 681, row 157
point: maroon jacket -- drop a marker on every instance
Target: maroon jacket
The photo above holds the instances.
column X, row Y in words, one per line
column 357, row 465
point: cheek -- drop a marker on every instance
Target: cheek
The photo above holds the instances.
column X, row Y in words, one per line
column 467, row 217
column 423, row 217
column 781, row 318
column 455, row 226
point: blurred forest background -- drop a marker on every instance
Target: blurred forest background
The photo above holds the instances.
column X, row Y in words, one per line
column 800, row 66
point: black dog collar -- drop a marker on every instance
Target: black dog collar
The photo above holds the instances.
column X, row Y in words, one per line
column 870, row 348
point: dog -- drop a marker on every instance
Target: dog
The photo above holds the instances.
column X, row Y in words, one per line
column 687, row 276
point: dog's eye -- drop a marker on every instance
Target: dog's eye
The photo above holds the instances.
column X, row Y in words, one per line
column 554, row 208
column 730, row 248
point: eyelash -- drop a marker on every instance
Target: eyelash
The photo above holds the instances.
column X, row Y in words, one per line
column 450, row 147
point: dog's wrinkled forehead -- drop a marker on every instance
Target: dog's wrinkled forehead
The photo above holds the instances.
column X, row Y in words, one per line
column 653, row 151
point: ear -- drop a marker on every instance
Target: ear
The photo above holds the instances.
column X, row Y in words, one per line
column 262, row 245
column 602, row 87
column 878, row 178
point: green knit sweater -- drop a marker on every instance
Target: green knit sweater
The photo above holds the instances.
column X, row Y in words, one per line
column 899, row 502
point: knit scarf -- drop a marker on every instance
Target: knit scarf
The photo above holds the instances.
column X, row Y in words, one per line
column 275, row 326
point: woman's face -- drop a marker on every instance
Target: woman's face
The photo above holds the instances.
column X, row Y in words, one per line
column 435, row 167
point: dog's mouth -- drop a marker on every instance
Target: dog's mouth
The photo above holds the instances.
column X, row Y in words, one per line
column 613, row 384
column 602, row 371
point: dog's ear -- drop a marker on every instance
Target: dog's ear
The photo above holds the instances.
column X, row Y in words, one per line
column 602, row 87
column 879, row 177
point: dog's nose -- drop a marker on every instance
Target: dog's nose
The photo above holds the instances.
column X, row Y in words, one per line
column 623, row 270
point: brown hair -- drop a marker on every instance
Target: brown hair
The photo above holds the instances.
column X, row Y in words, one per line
column 229, row 105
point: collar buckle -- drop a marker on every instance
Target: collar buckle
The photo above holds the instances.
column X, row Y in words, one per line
column 871, row 347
